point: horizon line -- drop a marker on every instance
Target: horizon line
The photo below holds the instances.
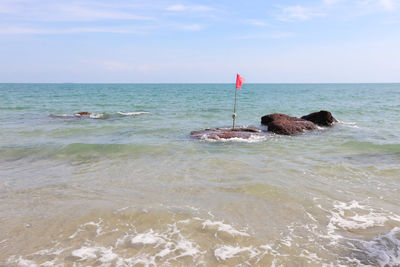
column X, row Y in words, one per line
column 198, row 83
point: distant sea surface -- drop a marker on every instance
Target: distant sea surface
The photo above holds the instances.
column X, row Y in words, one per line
column 128, row 186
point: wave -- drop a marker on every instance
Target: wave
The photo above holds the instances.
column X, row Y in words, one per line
column 170, row 243
column 62, row 115
column 349, row 124
column 151, row 237
column 348, row 221
column 77, row 115
column 99, row 115
column 383, row 250
column 134, row 113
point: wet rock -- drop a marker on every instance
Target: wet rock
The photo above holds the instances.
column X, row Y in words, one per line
column 322, row 118
column 224, row 133
column 83, row 113
column 286, row 125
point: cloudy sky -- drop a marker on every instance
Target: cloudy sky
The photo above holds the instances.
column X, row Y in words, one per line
column 199, row 41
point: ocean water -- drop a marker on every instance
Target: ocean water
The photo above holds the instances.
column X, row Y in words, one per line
column 129, row 187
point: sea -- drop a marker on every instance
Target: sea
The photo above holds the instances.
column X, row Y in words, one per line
column 128, row 186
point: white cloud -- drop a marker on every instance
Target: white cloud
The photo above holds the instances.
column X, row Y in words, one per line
column 66, row 12
column 277, row 35
column 84, row 13
column 333, row 2
column 180, row 8
column 33, row 30
column 388, row 5
column 292, row 13
column 176, row 8
column 192, row 27
column 256, row 22
column 374, row 6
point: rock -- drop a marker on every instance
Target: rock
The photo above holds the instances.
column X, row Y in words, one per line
column 224, row 133
column 83, row 113
column 322, row 118
column 246, row 129
column 284, row 124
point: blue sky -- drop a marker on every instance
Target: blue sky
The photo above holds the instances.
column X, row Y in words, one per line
column 199, row 41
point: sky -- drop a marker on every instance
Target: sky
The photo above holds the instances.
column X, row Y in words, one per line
column 168, row 41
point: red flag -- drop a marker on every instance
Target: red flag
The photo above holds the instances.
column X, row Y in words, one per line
column 239, row 81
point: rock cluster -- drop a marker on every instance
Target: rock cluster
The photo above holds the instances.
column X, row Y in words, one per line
column 284, row 124
column 277, row 123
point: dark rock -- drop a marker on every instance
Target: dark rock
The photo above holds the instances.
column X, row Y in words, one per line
column 224, row 133
column 83, row 113
column 322, row 118
column 284, row 124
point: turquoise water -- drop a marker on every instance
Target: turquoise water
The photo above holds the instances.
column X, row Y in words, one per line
column 129, row 186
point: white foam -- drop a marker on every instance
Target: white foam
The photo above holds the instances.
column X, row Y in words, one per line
column 103, row 254
column 81, row 228
column 349, row 124
column 91, row 115
column 225, row 252
column 254, row 138
column 62, row 115
column 223, row 228
column 310, row 256
column 21, row 262
column 187, row 248
column 147, row 238
column 132, row 113
column 107, row 255
column 96, row 115
column 75, row 233
column 357, row 216
column 144, row 260
column 98, row 226
column 85, row 253
column 180, row 243
column 51, row 251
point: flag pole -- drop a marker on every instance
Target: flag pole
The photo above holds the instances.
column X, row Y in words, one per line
column 234, row 111
column 239, row 82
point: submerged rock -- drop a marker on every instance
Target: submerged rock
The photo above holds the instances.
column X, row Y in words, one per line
column 224, row 133
column 283, row 124
column 322, row 118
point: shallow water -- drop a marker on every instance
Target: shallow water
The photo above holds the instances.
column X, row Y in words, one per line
column 128, row 186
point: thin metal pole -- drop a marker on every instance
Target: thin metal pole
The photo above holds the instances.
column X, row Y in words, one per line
column 234, row 111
